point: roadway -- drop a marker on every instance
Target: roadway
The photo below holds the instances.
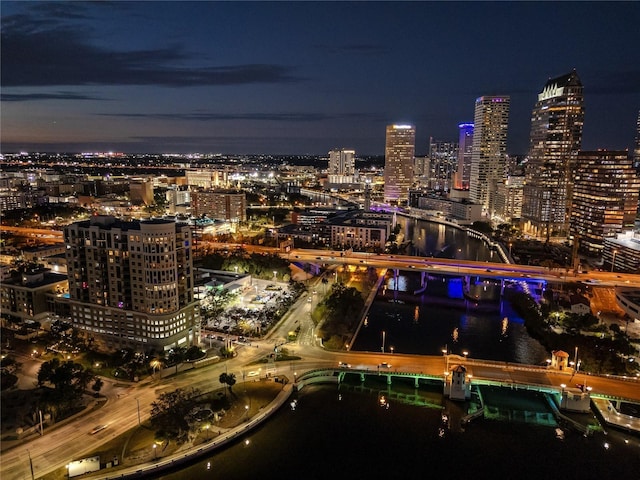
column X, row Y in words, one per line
column 447, row 266
column 128, row 405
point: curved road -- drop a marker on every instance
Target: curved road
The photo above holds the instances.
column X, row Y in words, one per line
column 120, row 413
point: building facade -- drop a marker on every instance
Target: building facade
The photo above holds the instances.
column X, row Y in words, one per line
column 131, row 283
column 605, row 198
column 488, row 157
column 342, row 166
column 443, row 158
column 465, row 150
column 398, row 163
column 219, row 204
column 556, row 138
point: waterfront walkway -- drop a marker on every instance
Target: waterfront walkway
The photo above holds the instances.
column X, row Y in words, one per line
column 152, row 469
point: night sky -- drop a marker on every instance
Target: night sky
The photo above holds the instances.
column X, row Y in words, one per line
column 302, row 77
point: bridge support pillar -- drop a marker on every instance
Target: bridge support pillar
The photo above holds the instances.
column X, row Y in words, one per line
column 388, row 379
column 362, row 378
column 423, row 279
column 416, row 382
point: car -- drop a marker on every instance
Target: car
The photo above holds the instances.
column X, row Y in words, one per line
column 412, row 266
column 97, row 428
column 344, row 365
column 385, row 365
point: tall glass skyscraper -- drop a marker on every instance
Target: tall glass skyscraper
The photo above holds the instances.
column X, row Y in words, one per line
column 465, row 150
column 556, row 137
column 398, row 163
column 605, row 198
column 488, row 157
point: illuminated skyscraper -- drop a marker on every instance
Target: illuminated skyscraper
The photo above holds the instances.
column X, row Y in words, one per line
column 342, row 166
column 605, row 198
column 556, row 137
column 398, row 163
column 488, row 157
column 442, row 162
column 465, row 149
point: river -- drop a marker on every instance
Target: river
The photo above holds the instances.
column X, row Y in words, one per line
column 420, row 325
column 346, row 434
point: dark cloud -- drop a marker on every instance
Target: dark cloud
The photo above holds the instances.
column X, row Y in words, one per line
column 274, row 117
column 25, row 97
column 44, row 52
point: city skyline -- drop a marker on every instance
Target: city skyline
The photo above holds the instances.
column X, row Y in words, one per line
column 303, row 77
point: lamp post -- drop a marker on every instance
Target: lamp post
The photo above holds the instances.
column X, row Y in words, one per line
column 138, row 402
column 155, row 454
column 466, row 354
column 445, row 352
column 613, row 262
column 384, row 334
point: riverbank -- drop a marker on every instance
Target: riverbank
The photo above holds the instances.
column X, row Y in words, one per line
column 138, row 450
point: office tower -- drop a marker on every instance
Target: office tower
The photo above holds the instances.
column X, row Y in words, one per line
column 556, row 137
column 228, row 205
column 465, row 149
column 443, row 157
column 131, row 283
column 488, row 156
column 342, row 166
column 513, row 196
column 636, row 150
column 398, row 163
column 605, row 198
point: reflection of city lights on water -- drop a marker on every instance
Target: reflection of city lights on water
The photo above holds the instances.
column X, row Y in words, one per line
column 416, row 314
column 505, row 325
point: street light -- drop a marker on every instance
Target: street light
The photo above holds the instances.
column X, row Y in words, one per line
column 384, row 335
column 246, row 409
column 155, row 455
column 466, row 354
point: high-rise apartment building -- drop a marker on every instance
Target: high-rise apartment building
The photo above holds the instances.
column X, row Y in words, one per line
column 131, row 284
column 219, row 204
column 465, row 150
column 488, row 156
column 556, row 137
column 443, row 157
column 342, row 166
column 398, row 163
column 605, row 198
